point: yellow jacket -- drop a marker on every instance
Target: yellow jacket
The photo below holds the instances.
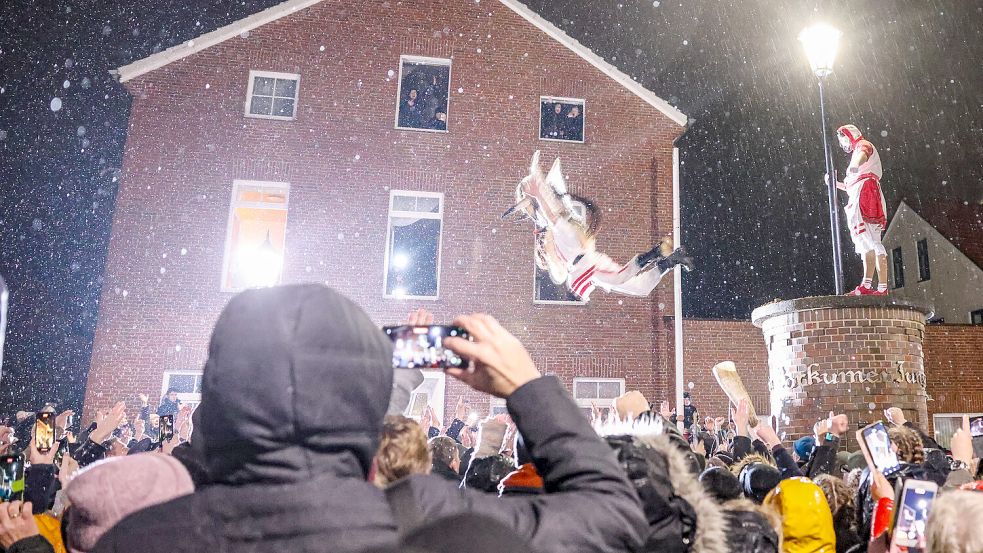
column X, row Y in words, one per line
column 807, row 522
column 50, row 528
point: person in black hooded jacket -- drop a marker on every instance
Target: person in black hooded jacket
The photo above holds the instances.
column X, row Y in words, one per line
column 294, row 391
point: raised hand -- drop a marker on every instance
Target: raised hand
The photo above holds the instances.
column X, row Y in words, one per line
column 500, row 363
column 109, row 422
column 741, row 416
column 962, row 443
column 895, row 416
column 420, row 317
column 664, row 410
column 766, row 433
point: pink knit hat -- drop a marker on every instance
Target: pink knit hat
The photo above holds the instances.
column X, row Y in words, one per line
column 106, row 492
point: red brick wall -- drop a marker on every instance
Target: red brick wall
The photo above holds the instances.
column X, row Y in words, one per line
column 954, row 366
column 188, row 140
column 707, row 342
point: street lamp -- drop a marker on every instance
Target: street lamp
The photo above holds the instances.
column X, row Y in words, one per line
column 820, row 42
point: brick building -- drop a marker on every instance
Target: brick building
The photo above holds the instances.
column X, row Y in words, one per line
column 373, row 147
column 276, row 149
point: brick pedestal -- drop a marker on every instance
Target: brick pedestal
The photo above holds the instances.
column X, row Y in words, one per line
column 853, row 355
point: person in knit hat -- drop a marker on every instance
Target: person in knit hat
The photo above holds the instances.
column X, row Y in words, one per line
column 106, row 492
column 758, row 479
column 720, row 483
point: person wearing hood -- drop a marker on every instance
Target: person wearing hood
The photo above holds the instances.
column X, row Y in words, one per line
column 866, row 211
column 807, row 523
column 682, row 516
column 294, row 390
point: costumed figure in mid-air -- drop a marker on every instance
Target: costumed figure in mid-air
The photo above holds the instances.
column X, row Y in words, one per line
column 866, row 212
column 566, row 245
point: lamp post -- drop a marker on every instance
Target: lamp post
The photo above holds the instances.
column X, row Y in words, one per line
column 820, row 42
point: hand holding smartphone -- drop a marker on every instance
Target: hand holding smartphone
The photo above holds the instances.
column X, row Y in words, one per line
column 166, row 428
column 421, row 346
column 911, row 513
column 11, row 478
column 876, row 446
column 44, row 431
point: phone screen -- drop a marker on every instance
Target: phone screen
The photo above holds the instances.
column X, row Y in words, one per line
column 11, row 478
column 166, row 428
column 421, row 347
column 44, row 431
column 916, row 502
column 976, row 426
column 879, row 445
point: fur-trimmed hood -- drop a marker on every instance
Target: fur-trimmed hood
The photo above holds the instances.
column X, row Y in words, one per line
column 710, row 533
column 670, row 462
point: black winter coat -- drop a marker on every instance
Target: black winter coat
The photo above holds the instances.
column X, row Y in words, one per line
column 295, row 388
column 589, row 504
column 749, row 532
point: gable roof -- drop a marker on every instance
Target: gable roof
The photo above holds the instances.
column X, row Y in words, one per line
column 959, row 223
column 258, row 19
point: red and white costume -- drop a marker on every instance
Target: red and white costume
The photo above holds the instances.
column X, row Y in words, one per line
column 586, row 268
column 866, row 211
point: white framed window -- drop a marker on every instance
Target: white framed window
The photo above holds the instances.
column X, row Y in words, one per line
column 423, row 96
column 429, row 392
column 544, row 290
column 256, row 235
column 562, row 119
column 413, row 241
column 588, row 392
column 946, row 424
column 272, row 95
column 187, row 384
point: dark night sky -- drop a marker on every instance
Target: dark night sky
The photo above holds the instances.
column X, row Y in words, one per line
column 754, row 208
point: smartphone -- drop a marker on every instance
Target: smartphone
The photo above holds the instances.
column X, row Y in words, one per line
column 11, row 478
column 976, row 426
column 421, row 347
column 911, row 513
column 876, row 445
column 44, row 431
column 62, row 450
column 166, row 428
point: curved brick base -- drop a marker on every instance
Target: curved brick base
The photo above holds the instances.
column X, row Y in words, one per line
column 853, row 355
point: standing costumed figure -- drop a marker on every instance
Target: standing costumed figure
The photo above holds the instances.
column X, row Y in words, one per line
column 566, row 241
column 866, row 212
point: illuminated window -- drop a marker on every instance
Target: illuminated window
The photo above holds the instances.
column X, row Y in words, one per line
column 412, row 265
column 272, row 95
column 256, row 236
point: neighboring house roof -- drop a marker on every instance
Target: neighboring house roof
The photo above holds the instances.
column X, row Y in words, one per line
column 959, row 223
column 185, row 49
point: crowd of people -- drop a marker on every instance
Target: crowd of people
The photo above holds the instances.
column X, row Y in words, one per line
column 298, row 444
